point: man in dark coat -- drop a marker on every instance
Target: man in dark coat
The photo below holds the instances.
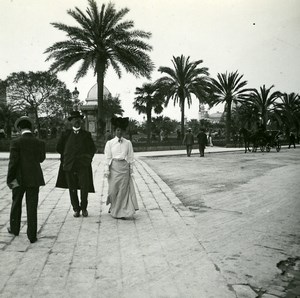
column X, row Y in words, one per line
column 25, row 176
column 188, row 141
column 202, row 141
column 292, row 140
column 77, row 149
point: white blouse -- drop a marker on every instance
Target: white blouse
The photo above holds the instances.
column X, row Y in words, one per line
column 115, row 149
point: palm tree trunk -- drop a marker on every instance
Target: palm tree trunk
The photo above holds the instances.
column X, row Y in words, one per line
column 182, row 118
column 100, row 88
column 149, row 126
column 228, row 124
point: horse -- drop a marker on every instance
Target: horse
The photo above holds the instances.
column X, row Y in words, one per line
column 247, row 137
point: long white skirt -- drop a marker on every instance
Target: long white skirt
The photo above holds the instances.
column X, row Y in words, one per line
column 121, row 192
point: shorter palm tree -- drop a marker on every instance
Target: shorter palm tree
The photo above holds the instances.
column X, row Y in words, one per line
column 185, row 80
column 264, row 100
column 228, row 88
column 148, row 98
column 288, row 111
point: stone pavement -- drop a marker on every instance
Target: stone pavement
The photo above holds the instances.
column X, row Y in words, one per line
column 154, row 255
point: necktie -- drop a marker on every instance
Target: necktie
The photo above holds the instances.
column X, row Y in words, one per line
column 120, row 140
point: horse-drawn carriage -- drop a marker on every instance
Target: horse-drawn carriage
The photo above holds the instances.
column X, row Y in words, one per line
column 265, row 140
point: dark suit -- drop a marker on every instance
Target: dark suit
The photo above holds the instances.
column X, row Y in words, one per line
column 75, row 171
column 26, row 154
column 202, row 141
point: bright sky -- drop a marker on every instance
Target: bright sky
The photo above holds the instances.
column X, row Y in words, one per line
column 259, row 38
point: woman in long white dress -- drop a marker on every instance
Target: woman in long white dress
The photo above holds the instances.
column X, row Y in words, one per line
column 119, row 159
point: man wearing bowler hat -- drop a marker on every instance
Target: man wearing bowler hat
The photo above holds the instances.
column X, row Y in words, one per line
column 25, row 176
column 77, row 149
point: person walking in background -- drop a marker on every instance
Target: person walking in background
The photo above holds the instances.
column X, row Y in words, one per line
column 119, row 159
column 292, row 140
column 77, row 149
column 210, row 140
column 25, row 176
column 188, row 141
column 202, row 141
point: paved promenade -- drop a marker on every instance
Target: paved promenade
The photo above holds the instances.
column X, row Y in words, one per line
column 154, row 255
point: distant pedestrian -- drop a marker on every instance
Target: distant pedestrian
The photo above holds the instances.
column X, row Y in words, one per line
column 202, row 141
column 25, row 176
column 188, row 141
column 119, row 159
column 77, row 149
column 292, row 140
column 210, row 140
column 161, row 135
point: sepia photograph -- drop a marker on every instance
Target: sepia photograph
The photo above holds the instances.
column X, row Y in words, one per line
column 150, row 148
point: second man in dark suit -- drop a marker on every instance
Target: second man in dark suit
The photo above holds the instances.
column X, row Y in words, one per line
column 25, row 176
column 77, row 150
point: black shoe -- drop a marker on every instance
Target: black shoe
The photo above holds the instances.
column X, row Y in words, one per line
column 85, row 213
column 76, row 213
column 10, row 232
column 33, row 240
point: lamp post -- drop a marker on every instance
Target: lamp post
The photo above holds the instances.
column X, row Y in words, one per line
column 75, row 95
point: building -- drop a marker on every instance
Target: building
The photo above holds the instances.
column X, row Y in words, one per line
column 90, row 108
column 203, row 114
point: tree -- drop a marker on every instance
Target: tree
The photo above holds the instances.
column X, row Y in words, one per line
column 264, row 100
column 148, row 98
column 112, row 106
column 228, row 88
column 38, row 93
column 9, row 113
column 132, row 128
column 164, row 124
column 288, row 111
column 102, row 39
column 182, row 82
column 245, row 115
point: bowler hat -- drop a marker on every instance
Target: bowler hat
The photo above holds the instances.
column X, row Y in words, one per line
column 120, row 122
column 21, row 119
column 75, row 114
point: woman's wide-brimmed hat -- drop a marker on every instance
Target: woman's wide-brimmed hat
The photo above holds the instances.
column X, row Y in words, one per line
column 21, row 119
column 75, row 114
column 120, row 122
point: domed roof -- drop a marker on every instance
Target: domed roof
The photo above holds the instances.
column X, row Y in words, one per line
column 93, row 94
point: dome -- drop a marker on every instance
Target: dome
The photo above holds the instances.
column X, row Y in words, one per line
column 92, row 95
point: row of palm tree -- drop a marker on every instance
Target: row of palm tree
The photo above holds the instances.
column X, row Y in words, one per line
column 256, row 107
column 103, row 39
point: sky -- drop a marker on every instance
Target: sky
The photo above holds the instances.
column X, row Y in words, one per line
column 259, row 38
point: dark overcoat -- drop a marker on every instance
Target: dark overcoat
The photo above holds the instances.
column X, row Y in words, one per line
column 26, row 154
column 85, row 150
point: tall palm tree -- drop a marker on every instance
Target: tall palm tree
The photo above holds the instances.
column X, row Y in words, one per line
column 288, row 111
column 228, row 88
column 182, row 82
column 100, row 40
column 148, row 98
column 264, row 100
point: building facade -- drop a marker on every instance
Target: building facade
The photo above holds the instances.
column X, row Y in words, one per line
column 90, row 108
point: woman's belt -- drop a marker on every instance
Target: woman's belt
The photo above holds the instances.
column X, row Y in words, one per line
column 119, row 159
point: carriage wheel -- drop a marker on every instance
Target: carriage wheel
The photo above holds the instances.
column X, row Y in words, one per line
column 278, row 147
column 268, row 148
